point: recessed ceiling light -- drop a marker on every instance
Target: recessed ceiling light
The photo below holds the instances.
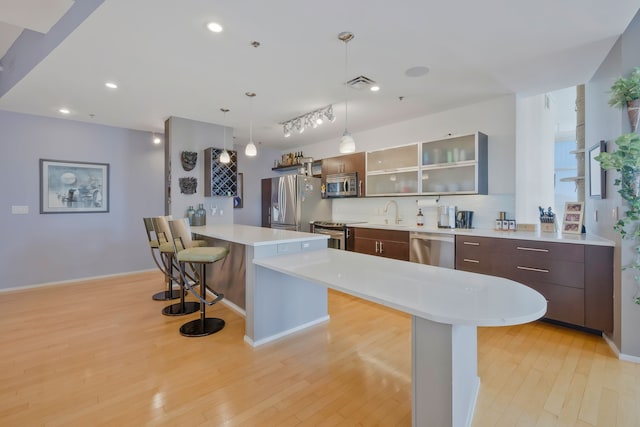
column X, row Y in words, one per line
column 418, row 71
column 214, row 27
column 374, row 88
column 64, row 111
column 111, row 85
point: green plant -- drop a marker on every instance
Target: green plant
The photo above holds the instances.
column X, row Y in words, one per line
column 624, row 89
column 626, row 160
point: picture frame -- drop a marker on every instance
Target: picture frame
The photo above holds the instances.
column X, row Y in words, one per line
column 597, row 175
column 573, row 217
column 237, row 200
column 73, row 187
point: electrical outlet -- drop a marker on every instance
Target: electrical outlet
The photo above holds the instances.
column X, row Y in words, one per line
column 595, row 215
column 614, row 213
column 19, row 210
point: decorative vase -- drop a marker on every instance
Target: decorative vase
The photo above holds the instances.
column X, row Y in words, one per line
column 633, row 110
column 190, row 213
column 200, row 217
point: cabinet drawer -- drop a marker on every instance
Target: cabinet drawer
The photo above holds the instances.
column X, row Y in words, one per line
column 563, row 303
column 528, row 270
column 378, row 234
column 546, row 250
column 474, row 264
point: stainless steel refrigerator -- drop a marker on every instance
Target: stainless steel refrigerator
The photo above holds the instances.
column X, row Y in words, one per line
column 295, row 201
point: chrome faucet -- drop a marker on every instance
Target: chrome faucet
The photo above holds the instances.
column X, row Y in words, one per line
column 386, row 208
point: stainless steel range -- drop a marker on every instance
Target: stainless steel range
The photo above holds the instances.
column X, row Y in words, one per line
column 338, row 232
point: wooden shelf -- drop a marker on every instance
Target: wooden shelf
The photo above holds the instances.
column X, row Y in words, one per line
column 571, row 178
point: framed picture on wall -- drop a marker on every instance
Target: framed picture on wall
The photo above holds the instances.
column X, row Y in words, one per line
column 73, row 187
column 237, row 200
column 597, row 175
column 573, row 216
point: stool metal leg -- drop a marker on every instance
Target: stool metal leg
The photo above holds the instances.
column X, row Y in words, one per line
column 183, row 307
column 202, row 326
column 170, row 293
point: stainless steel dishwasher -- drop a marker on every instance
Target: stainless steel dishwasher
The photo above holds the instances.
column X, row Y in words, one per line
column 433, row 249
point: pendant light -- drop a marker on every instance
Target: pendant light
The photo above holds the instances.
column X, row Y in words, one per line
column 347, row 144
column 224, row 157
column 250, row 150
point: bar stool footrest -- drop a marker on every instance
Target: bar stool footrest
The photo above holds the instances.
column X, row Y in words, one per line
column 198, row 328
column 178, row 310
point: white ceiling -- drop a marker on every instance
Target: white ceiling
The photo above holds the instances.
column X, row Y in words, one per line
column 167, row 64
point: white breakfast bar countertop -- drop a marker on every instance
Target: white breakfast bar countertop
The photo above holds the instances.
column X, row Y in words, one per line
column 433, row 293
column 254, row 236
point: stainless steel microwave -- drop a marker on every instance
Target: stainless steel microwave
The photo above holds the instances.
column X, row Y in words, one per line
column 342, row 185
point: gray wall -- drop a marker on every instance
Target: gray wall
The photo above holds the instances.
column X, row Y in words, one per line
column 42, row 248
column 605, row 123
column 190, row 135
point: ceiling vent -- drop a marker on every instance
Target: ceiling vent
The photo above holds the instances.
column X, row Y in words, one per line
column 360, row 82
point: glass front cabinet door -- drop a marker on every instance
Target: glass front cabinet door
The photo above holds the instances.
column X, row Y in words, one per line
column 455, row 165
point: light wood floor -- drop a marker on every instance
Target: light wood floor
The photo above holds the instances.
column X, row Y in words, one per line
column 100, row 353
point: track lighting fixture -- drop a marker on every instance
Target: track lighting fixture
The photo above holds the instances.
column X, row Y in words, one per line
column 312, row 120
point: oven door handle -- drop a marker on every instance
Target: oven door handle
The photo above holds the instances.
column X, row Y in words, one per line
column 332, row 233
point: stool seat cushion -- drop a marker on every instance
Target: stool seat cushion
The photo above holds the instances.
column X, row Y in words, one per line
column 154, row 243
column 202, row 255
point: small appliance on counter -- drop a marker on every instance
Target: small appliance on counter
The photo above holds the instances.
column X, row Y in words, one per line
column 446, row 216
column 464, row 219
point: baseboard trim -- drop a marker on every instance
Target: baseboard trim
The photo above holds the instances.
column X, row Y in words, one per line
column 616, row 351
column 73, row 281
column 282, row 334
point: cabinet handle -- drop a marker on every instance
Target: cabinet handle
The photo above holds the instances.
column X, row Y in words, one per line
column 539, row 270
column 532, row 249
column 471, row 243
column 376, row 246
column 381, row 247
column 475, row 261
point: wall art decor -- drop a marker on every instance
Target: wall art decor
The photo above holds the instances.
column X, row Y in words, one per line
column 237, row 200
column 73, row 187
column 189, row 160
column 188, row 185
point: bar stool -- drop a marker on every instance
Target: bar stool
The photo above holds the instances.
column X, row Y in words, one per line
column 159, row 260
column 187, row 253
column 167, row 250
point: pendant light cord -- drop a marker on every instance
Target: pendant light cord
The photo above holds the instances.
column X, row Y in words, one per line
column 346, row 86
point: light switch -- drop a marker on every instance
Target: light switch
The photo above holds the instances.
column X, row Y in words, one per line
column 19, row 210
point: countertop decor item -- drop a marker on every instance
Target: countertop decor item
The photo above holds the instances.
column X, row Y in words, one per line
column 626, row 92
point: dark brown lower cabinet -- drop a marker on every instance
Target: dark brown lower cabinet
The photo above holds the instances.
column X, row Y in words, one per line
column 386, row 243
column 576, row 279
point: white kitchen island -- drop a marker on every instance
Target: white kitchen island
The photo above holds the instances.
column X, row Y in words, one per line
column 287, row 277
column 446, row 307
